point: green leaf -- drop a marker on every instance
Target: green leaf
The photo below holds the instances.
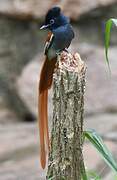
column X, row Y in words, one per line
column 54, row 177
column 93, row 175
column 107, row 37
column 97, row 142
column 84, row 176
column 83, row 172
column 51, row 178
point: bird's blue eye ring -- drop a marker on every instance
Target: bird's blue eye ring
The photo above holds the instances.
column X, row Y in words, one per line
column 52, row 21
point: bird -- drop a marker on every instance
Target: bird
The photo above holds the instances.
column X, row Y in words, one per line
column 60, row 35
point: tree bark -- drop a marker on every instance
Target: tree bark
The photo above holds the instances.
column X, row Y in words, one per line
column 65, row 157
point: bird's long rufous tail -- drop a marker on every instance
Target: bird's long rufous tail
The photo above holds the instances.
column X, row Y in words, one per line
column 44, row 84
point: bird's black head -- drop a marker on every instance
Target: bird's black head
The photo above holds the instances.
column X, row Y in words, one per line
column 52, row 14
column 54, row 18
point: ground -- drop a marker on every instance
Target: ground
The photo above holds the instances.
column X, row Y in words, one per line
column 19, row 153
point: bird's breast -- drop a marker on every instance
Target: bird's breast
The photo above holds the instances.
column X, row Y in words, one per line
column 63, row 37
column 51, row 53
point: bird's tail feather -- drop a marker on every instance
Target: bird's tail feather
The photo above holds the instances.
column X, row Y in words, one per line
column 44, row 84
column 41, row 131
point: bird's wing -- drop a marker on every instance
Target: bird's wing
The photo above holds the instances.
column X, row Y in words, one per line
column 48, row 43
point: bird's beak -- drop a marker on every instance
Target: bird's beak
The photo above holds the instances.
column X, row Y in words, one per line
column 44, row 26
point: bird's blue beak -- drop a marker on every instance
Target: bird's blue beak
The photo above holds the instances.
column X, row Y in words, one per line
column 44, row 26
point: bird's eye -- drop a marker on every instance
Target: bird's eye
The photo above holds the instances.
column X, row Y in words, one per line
column 52, row 21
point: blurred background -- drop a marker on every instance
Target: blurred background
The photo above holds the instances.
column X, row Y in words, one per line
column 21, row 57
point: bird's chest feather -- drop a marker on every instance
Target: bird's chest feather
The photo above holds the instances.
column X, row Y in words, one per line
column 62, row 37
column 49, row 51
column 58, row 40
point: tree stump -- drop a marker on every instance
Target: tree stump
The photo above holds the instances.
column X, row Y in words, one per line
column 65, row 157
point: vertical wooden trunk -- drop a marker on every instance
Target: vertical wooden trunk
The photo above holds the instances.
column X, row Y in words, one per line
column 65, row 158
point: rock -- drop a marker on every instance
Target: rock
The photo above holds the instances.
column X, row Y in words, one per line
column 100, row 88
column 112, row 135
column 94, row 161
column 110, row 175
column 18, row 45
column 98, row 122
column 25, row 168
column 77, row 8
column 6, row 114
column 19, row 152
column 24, row 9
column 16, row 136
column 27, row 84
column 27, row 9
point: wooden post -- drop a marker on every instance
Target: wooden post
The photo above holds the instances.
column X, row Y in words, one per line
column 65, row 158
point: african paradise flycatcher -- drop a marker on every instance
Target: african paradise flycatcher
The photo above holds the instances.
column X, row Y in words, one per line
column 59, row 39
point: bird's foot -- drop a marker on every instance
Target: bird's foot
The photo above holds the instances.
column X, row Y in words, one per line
column 58, row 53
column 66, row 50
